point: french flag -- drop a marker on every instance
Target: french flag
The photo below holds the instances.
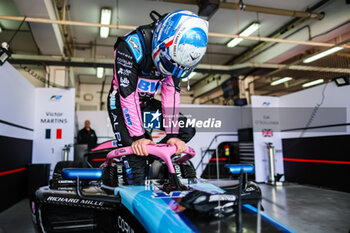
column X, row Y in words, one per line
column 48, row 133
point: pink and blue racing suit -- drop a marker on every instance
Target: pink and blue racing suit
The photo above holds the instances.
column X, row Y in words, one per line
column 135, row 83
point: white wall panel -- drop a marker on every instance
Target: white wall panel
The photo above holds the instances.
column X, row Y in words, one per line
column 16, row 103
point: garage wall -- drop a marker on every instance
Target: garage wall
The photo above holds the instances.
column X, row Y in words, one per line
column 16, row 133
column 99, row 122
column 316, row 138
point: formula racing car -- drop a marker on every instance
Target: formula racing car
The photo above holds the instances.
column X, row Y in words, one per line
column 172, row 199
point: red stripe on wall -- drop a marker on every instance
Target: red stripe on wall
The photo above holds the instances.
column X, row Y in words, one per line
column 98, row 160
column 218, row 159
column 12, row 171
column 316, row 161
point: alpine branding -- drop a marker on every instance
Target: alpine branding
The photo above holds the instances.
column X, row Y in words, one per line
column 118, row 136
column 175, row 194
column 134, row 43
column 114, row 116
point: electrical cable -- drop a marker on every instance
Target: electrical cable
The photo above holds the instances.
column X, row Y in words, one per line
column 310, row 120
column 117, row 11
column 237, row 18
column 19, row 27
column 314, row 111
column 39, row 77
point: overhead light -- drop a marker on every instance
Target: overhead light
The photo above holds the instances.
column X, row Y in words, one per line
column 281, row 80
column 100, row 72
column 106, row 16
column 246, row 32
column 322, row 54
column 313, row 83
column 189, row 77
column 342, row 80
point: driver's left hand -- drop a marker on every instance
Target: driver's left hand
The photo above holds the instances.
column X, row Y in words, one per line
column 180, row 145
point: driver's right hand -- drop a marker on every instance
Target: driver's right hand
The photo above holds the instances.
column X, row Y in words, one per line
column 139, row 146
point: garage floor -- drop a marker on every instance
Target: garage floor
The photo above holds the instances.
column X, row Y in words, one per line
column 301, row 208
column 17, row 219
column 308, row 209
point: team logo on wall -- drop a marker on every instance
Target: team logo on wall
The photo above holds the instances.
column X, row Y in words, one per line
column 267, row 133
column 56, row 97
column 151, row 120
column 266, row 103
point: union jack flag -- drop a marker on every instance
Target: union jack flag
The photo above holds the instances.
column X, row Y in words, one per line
column 267, row 133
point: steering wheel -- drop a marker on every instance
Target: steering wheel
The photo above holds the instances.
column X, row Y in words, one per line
column 162, row 151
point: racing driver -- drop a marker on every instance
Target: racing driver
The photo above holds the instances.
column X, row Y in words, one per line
column 154, row 57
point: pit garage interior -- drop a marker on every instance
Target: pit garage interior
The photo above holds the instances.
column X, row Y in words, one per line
column 276, row 75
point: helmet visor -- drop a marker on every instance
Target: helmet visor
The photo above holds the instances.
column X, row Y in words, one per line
column 172, row 67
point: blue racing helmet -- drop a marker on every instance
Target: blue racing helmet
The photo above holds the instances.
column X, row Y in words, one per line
column 179, row 43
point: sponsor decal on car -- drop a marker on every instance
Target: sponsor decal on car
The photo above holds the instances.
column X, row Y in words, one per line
column 174, row 194
column 177, row 171
column 74, row 200
column 222, row 197
column 124, row 226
